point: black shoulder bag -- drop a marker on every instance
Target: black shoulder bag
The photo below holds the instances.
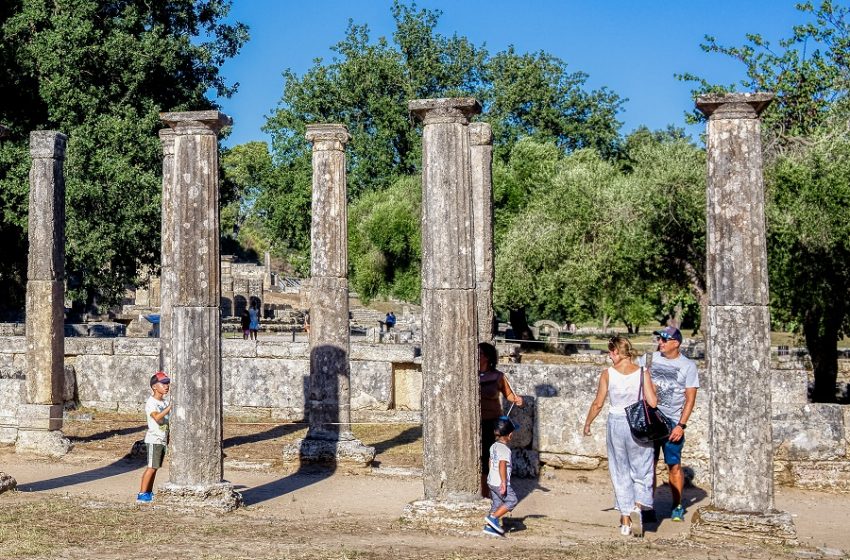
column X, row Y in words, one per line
column 647, row 423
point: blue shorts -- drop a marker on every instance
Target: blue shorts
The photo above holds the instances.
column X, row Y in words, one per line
column 672, row 450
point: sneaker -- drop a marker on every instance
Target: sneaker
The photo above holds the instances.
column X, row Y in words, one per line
column 636, row 517
column 625, row 530
column 144, row 497
column 678, row 513
column 493, row 523
column 491, row 532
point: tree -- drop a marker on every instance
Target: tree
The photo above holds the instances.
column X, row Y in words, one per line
column 100, row 71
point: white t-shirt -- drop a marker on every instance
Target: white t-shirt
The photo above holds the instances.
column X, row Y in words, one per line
column 671, row 378
column 157, row 433
column 498, row 452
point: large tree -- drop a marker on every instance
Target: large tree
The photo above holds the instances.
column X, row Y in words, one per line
column 805, row 133
column 100, row 71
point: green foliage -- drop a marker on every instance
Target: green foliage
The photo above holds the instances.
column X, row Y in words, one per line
column 101, row 71
column 385, row 241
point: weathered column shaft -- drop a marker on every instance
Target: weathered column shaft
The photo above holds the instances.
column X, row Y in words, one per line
column 739, row 319
column 166, row 137
column 450, row 400
column 46, row 272
column 481, row 176
column 192, row 253
column 329, row 393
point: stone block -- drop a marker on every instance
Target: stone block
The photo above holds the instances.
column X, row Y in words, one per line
column 407, row 387
column 75, row 346
column 265, row 382
column 371, row 385
column 40, row 442
column 560, row 421
column 238, row 348
column 69, row 384
column 570, row 462
column 9, row 369
column 40, row 416
column 13, row 345
column 288, row 350
column 124, row 346
column 830, row 476
column 114, row 379
column 811, row 432
column 8, row 434
column 789, row 385
column 396, row 353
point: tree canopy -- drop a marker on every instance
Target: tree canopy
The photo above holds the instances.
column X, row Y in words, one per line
column 100, row 71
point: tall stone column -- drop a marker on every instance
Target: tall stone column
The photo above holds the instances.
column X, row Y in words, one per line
column 450, row 399
column 40, row 420
column 738, row 340
column 196, row 464
column 481, row 176
column 328, row 402
column 166, row 138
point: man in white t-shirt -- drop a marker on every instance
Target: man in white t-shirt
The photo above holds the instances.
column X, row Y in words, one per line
column 676, row 382
column 157, row 410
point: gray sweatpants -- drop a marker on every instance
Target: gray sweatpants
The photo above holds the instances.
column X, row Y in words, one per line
column 630, row 464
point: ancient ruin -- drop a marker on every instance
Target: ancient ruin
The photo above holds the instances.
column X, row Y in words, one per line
column 738, row 338
column 40, row 420
column 196, row 475
column 450, row 408
column 481, row 177
column 328, row 403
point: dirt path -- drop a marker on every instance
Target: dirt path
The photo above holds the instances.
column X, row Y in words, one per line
column 83, row 507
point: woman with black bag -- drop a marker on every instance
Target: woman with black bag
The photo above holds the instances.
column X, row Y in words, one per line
column 630, row 462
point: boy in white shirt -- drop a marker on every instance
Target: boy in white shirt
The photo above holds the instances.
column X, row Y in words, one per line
column 157, row 410
column 499, row 479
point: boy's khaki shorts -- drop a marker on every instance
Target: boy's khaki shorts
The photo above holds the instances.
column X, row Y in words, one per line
column 156, row 452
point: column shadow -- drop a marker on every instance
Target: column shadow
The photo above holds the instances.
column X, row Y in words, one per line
column 127, row 463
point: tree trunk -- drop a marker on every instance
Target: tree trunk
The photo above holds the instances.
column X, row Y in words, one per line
column 519, row 324
column 822, row 341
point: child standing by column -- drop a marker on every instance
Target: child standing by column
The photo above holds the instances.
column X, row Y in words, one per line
column 499, row 479
column 156, row 439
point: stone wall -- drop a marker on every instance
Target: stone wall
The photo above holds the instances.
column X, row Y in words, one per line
column 266, row 379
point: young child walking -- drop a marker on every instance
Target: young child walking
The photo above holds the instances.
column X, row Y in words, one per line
column 157, row 410
column 499, row 479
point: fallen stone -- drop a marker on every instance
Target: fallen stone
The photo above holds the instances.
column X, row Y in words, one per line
column 40, row 442
column 7, row 482
column 343, row 451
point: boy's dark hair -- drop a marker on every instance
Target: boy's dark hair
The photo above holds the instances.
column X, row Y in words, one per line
column 503, row 427
column 490, row 353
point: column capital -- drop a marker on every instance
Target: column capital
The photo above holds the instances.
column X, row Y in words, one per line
column 444, row 110
column 480, row 134
column 196, row 122
column 734, row 105
column 328, row 136
column 46, row 144
column 166, row 138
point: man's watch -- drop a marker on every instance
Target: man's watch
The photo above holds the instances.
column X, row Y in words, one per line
column 682, row 425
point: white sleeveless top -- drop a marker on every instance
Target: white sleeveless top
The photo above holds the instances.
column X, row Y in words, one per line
column 622, row 390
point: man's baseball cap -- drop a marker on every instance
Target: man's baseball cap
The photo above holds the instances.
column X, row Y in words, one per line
column 669, row 333
column 160, row 377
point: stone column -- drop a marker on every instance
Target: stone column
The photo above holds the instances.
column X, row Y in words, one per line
column 196, row 421
column 40, row 420
column 450, row 399
column 328, row 403
column 481, row 176
column 166, row 138
column 738, row 340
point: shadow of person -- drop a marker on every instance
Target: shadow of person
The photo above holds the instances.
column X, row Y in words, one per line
column 692, row 497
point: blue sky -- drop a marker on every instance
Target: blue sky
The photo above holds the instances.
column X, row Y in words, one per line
column 634, row 48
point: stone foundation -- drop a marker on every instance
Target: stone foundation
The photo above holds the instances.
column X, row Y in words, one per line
column 772, row 527
column 42, row 442
column 464, row 514
column 219, row 497
column 323, row 451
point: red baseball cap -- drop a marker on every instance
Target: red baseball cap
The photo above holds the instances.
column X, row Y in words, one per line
column 160, row 377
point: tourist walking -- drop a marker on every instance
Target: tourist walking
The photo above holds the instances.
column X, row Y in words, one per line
column 389, row 321
column 502, row 495
column 630, row 463
column 254, row 324
column 157, row 411
column 493, row 385
column 677, row 380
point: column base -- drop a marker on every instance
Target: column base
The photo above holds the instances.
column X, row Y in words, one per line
column 347, row 450
column 466, row 513
column 7, row 482
column 51, row 443
column 772, row 526
column 216, row 497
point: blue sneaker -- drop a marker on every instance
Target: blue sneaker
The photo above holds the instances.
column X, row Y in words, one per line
column 493, row 523
column 491, row 532
column 678, row 513
column 144, row 497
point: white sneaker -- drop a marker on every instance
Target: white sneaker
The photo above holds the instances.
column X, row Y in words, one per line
column 625, row 530
column 636, row 518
